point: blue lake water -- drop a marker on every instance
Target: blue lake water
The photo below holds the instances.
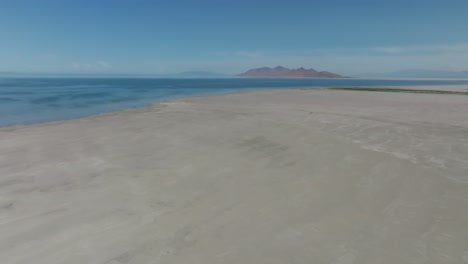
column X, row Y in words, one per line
column 35, row 100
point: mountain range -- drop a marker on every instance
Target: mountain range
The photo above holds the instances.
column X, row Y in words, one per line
column 282, row 72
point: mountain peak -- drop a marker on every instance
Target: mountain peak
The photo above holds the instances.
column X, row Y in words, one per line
column 281, row 72
column 279, row 67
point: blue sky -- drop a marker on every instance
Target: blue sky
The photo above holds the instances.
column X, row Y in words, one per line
column 159, row 37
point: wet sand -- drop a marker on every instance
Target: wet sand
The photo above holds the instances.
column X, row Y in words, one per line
column 276, row 176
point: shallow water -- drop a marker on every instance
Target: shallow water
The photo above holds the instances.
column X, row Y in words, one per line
column 35, row 100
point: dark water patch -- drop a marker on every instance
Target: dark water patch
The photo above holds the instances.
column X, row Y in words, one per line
column 124, row 99
column 7, row 100
column 46, row 100
column 70, row 97
column 81, row 105
column 86, row 86
column 141, row 90
column 55, row 105
column 89, row 95
column 15, row 93
column 109, row 103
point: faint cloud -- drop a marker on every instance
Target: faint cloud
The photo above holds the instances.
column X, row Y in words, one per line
column 103, row 64
column 250, row 54
column 98, row 65
column 50, row 56
column 422, row 48
column 388, row 49
column 217, row 53
column 239, row 53
column 456, row 67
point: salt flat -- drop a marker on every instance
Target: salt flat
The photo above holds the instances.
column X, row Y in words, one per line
column 276, row 176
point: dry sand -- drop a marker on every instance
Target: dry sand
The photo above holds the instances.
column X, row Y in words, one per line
column 277, row 176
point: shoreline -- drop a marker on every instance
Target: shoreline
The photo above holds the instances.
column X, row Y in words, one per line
column 449, row 88
column 126, row 110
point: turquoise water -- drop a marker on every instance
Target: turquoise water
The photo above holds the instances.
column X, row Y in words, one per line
column 35, row 100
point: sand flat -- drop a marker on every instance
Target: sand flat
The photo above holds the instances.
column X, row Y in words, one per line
column 277, row 176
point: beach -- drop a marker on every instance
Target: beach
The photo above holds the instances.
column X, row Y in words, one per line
column 270, row 176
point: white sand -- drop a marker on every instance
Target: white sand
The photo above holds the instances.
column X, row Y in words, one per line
column 279, row 176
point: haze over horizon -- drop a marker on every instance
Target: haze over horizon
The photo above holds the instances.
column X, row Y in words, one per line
column 144, row 37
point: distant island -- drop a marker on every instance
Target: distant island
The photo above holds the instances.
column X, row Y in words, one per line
column 282, row 72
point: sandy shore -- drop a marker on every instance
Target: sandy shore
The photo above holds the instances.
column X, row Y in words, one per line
column 277, row 176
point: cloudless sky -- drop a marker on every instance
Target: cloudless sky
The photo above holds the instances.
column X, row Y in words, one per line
column 152, row 37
